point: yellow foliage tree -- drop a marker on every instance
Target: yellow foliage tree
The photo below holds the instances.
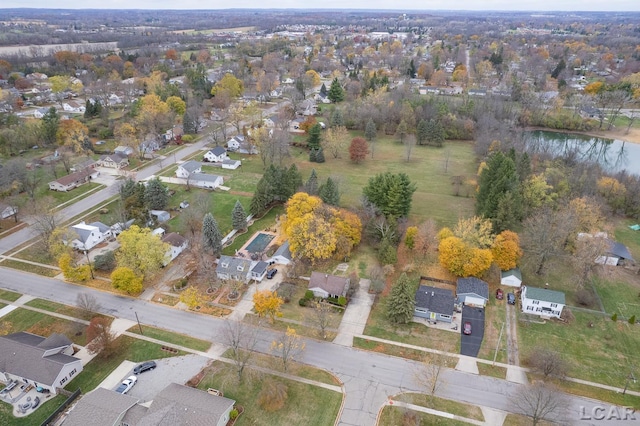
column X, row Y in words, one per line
column 232, row 85
column 141, row 251
column 410, row 237
column 613, row 191
column 177, row 105
column 479, row 262
column 311, row 237
column 267, row 304
column 314, row 77
column 191, row 297
column 444, row 233
column 125, row 279
column 151, row 113
column 348, row 230
column 475, row 231
column 589, row 214
column 72, row 134
column 299, row 205
column 71, row 271
column 463, row 260
column 506, row 250
column 594, row 88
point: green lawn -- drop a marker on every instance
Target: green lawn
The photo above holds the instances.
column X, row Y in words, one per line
column 619, row 296
column 127, row 348
column 34, row 269
column 43, row 325
column 394, row 416
column 174, row 338
column 441, row 404
column 38, row 416
column 305, row 404
column 79, row 192
column 596, row 348
column 59, row 308
column 492, row 370
column 9, row 295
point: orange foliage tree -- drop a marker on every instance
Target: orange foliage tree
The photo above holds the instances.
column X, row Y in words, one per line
column 506, row 250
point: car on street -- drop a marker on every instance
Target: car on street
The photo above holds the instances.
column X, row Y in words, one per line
column 145, row 366
column 467, row 328
column 127, row 384
column 511, row 298
column 271, row 273
column 499, row 294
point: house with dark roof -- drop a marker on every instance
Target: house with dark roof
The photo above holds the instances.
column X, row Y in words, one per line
column 177, row 405
column 259, row 270
column 542, row 302
column 185, row 169
column 216, row 155
column 325, row 285
column 511, row 278
column 616, row 254
column 73, row 180
column 472, row 291
column 6, row 211
column 177, row 244
column 113, row 161
column 90, row 235
column 233, row 268
column 35, row 360
column 435, row 304
column 282, row 255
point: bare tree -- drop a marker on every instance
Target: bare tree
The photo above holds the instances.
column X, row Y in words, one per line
column 540, row 401
column 583, row 260
column 45, row 220
column 430, row 376
column 100, row 337
column 548, row 362
column 242, row 340
column 322, row 315
column 88, row 303
column 409, row 143
column 288, row 346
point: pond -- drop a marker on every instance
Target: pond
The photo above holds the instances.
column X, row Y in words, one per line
column 612, row 154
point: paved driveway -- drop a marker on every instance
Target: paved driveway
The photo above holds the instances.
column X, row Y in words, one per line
column 470, row 344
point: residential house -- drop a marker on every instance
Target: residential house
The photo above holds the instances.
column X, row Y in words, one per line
column 234, row 268
column 40, row 112
column 204, row 180
column 175, row 404
column 185, row 169
column 216, row 155
column 86, row 164
column 177, row 244
column 435, row 304
column 123, row 150
column 160, row 216
column 46, row 362
column 6, row 211
column 259, row 270
column 511, row 278
column 322, row 97
column 433, row 90
column 90, row 235
column 240, row 144
column 542, row 302
column 114, row 100
column 477, row 92
column 73, row 107
column 282, row 256
column 231, row 164
column 325, row 285
column 113, row 161
column 472, row 291
column 73, row 180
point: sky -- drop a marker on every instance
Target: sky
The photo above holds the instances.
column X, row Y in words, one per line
column 526, row 5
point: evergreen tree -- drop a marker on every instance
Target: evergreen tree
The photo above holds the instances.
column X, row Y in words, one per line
column 558, row 69
column 49, row 126
column 294, row 182
column 313, row 139
column 391, row 193
column 261, row 198
column 277, row 185
column 311, row 186
column 211, row 236
column 320, row 155
column 435, row 133
column 239, row 217
column 323, row 90
column 370, row 130
column 132, row 196
column 312, row 156
column 329, row 192
column 336, row 118
column 156, row 195
column 509, row 212
column 188, row 123
column 401, row 302
column 411, row 71
column 422, row 132
column 336, row 92
column 496, row 179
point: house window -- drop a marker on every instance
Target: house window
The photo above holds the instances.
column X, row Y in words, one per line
column 536, row 302
column 445, row 316
column 64, row 379
column 554, row 305
column 72, row 372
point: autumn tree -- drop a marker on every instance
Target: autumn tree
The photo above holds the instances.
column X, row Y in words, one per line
column 125, row 279
column 288, row 347
column 239, row 217
column 72, row 270
column 73, row 134
column 192, row 297
column 267, row 304
column 151, row 114
column 475, row 231
column 612, row 191
column 64, row 83
column 141, row 251
column 390, row 193
column 462, row 259
column 506, row 250
column 410, row 237
column 335, row 140
column 400, row 305
column 229, row 84
column 241, row 340
column 100, row 338
column 211, row 235
column 358, row 149
column 177, row 105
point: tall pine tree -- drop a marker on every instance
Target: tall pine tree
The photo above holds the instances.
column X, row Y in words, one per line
column 336, row 119
column 336, row 92
column 313, row 139
column 370, row 130
column 311, row 186
column 401, row 302
column 496, row 179
column 329, row 192
column 239, row 217
column 156, row 195
column 211, row 236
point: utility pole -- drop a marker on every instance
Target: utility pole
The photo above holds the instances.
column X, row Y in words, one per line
column 626, row 385
column 495, row 355
column 137, row 319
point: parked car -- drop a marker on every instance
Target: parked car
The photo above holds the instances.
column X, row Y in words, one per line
column 511, row 298
column 271, row 273
column 499, row 294
column 467, row 328
column 145, row 366
column 127, row 384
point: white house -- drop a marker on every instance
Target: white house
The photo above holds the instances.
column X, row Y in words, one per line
column 282, row 256
column 259, row 270
column 511, row 278
column 472, row 291
column 187, row 168
column 234, row 143
column 40, row 112
column 177, row 244
column 73, row 107
column 90, row 235
column 6, row 211
column 542, row 302
column 216, row 155
column 26, row 358
column 231, row 164
column 123, row 150
column 207, row 181
column 325, row 285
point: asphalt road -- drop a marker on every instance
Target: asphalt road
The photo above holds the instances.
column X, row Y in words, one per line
column 470, row 344
column 369, row 378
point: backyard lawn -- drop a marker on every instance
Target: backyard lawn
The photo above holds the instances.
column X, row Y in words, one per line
column 38, row 416
column 43, row 325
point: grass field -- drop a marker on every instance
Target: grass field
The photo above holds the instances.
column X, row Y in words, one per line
column 174, row 338
column 43, row 325
column 305, row 404
column 495, row 317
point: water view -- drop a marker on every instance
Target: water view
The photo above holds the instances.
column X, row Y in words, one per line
column 612, row 154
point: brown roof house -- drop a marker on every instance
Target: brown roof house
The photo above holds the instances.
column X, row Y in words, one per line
column 38, row 361
column 73, row 180
column 325, row 285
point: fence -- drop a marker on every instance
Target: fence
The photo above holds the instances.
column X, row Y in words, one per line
column 61, row 408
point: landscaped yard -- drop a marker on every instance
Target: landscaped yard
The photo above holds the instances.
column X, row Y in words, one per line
column 38, row 416
column 305, row 404
column 43, row 325
column 174, row 338
column 495, row 317
column 264, row 222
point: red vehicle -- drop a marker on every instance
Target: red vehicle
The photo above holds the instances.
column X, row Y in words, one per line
column 499, row 294
column 467, row 328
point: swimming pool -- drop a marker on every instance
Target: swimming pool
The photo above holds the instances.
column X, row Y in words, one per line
column 259, row 243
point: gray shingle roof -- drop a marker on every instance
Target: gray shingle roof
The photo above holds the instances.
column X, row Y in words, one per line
column 473, row 285
column 101, row 226
column 259, row 268
column 174, row 239
column 232, row 264
column 329, row 283
column 191, row 166
column 116, row 158
column 435, row 299
column 545, row 295
column 283, row 251
column 102, row 407
column 218, row 150
column 619, row 250
column 204, row 177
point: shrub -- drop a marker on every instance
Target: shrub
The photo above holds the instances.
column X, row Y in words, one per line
column 632, row 320
column 187, row 138
column 105, row 262
column 342, row 301
column 308, row 295
column 614, row 317
column 303, row 301
column 585, row 298
column 233, row 414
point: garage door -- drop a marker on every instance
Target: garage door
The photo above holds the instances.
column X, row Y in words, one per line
column 476, row 301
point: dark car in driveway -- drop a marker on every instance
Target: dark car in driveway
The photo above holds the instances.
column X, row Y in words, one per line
column 511, row 298
column 271, row 273
column 145, row 366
